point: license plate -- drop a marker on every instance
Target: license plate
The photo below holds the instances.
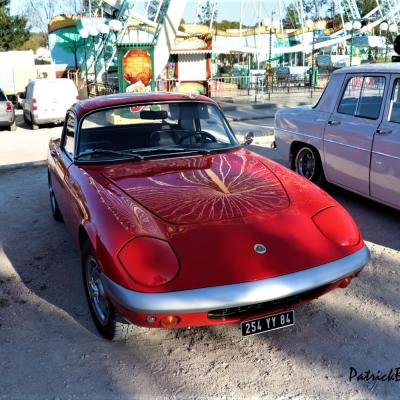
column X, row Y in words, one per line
column 269, row 323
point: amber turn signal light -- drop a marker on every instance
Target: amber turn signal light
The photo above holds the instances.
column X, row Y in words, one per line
column 170, row 321
column 345, row 282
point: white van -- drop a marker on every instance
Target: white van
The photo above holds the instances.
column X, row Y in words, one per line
column 47, row 101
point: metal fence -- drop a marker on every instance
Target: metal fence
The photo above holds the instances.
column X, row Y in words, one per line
column 167, row 85
column 100, row 89
column 264, row 84
column 257, row 86
column 251, row 85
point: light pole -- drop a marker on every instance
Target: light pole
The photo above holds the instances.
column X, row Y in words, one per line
column 93, row 32
column 272, row 25
column 352, row 26
column 84, row 34
column 310, row 25
column 392, row 29
column 386, row 28
column 115, row 26
column 320, row 26
column 104, row 31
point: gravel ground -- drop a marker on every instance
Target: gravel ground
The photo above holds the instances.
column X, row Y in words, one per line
column 50, row 349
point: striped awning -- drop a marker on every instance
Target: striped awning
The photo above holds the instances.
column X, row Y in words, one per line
column 188, row 51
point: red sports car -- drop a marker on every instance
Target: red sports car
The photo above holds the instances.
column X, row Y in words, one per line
column 180, row 225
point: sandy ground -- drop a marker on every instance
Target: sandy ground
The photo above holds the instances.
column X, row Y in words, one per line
column 49, row 348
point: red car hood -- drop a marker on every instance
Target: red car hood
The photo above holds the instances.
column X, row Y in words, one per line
column 202, row 189
column 215, row 209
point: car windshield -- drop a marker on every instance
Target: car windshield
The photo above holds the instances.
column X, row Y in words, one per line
column 153, row 130
column 2, row 96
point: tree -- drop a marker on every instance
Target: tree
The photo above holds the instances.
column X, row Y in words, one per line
column 291, row 19
column 35, row 41
column 91, row 5
column 225, row 24
column 182, row 25
column 14, row 31
column 153, row 8
column 365, row 6
column 206, row 13
column 313, row 9
column 40, row 12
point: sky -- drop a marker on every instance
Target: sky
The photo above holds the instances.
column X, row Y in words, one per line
column 227, row 9
column 230, row 10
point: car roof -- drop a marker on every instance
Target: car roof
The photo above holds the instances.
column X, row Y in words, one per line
column 84, row 106
column 370, row 68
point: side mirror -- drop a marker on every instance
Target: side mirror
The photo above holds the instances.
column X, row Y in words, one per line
column 248, row 138
column 22, row 95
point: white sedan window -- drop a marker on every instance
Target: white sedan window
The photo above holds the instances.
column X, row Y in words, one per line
column 363, row 97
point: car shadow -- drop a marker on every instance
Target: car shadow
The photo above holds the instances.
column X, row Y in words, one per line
column 374, row 219
column 50, row 346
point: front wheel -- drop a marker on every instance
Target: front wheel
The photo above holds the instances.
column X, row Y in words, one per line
column 107, row 320
column 307, row 163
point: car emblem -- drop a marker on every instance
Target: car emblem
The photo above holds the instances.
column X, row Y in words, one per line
column 260, row 248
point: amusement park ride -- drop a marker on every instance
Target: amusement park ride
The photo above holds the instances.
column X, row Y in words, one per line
column 118, row 29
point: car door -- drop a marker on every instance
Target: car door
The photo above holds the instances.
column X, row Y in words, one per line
column 61, row 180
column 350, row 130
column 27, row 101
column 385, row 158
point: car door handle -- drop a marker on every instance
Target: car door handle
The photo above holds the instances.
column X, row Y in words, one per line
column 333, row 122
column 53, row 153
column 383, row 131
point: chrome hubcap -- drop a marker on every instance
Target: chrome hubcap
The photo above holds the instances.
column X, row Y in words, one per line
column 305, row 163
column 96, row 291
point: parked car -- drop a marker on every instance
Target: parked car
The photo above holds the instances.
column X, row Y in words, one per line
column 351, row 137
column 7, row 112
column 179, row 225
column 47, row 101
column 20, row 100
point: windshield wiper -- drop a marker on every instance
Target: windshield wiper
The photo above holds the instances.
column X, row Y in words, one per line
column 176, row 149
column 108, row 151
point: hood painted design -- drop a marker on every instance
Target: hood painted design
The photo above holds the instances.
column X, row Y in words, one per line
column 202, row 189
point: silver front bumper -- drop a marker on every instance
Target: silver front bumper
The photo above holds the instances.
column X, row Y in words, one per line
column 239, row 294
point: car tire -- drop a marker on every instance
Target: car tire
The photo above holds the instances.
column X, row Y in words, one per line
column 307, row 163
column 25, row 119
column 33, row 125
column 55, row 210
column 13, row 127
column 106, row 318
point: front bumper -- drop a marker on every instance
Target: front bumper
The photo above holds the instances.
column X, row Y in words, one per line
column 239, row 294
column 50, row 120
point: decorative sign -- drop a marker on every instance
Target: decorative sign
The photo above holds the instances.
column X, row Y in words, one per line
column 137, row 70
